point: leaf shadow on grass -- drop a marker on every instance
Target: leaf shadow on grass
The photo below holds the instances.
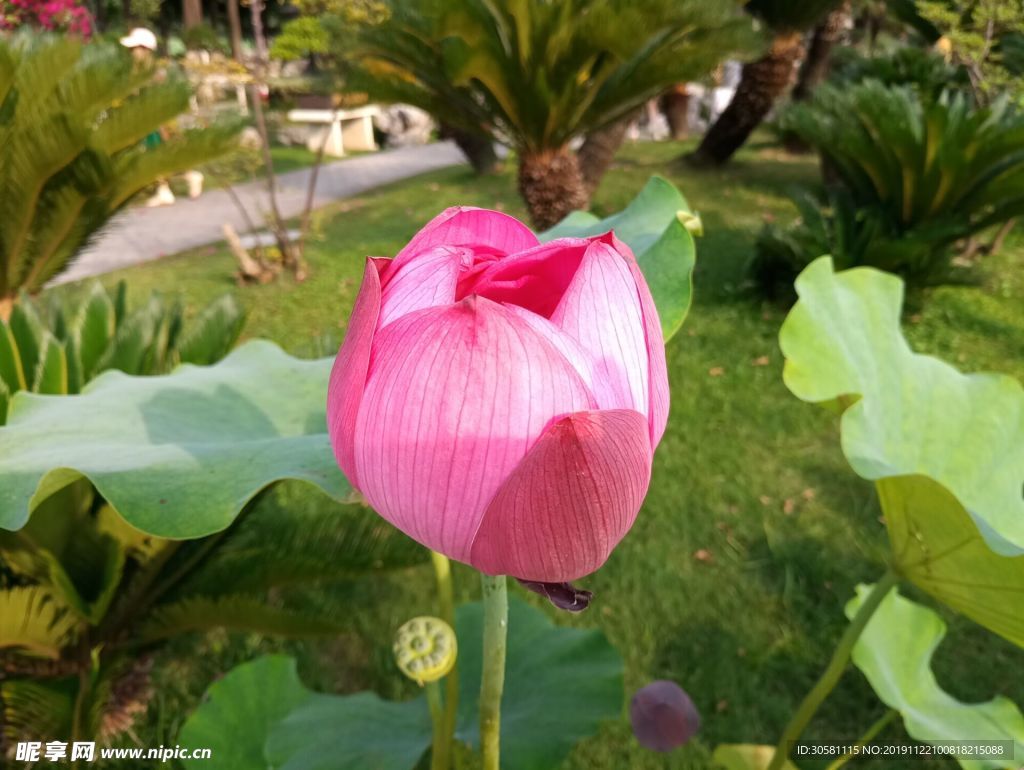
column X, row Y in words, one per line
column 968, row 317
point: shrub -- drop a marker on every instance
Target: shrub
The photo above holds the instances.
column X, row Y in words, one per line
column 909, row 179
column 919, row 68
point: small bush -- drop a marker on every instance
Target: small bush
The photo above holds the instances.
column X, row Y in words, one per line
column 909, row 179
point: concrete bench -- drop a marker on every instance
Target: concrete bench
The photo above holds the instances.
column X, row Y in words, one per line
column 347, row 130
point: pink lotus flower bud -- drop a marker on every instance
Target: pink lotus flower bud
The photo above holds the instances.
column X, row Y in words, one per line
column 498, row 399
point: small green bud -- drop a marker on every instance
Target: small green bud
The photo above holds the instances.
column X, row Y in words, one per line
column 425, row 649
column 691, row 222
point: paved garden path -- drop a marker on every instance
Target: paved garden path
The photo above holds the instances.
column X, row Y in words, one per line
column 142, row 234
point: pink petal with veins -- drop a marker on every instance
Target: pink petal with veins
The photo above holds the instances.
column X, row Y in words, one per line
column 455, row 398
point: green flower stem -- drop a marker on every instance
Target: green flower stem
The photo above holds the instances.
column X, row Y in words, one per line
column 444, row 729
column 834, row 671
column 493, row 678
column 866, row 738
column 439, row 753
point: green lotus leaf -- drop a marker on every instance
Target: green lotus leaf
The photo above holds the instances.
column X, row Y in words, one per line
column 895, row 652
column 180, row 455
column 945, row 449
column 240, row 709
column 350, row 732
column 938, row 546
column 654, row 225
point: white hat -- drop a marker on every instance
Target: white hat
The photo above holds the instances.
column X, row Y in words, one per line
column 140, row 37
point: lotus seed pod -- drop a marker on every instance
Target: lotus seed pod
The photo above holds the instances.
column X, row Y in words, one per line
column 425, row 649
column 663, row 716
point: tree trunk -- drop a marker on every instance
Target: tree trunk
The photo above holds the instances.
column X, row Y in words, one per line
column 235, row 25
column 100, row 15
column 6, row 306
column 192, row 13
column 816, row 64
column 675, row 104
column 290, row 257
column 598, row 150
column 478, row 148
column 551, row 185
column 761, row 84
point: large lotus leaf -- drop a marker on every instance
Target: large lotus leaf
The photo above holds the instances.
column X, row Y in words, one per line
column 938, row 546
column 653, row 227
column 351, row 732
column 908, row 416
column 180, row 455
column 240, row 709
column 560, row 684
column 895, row 652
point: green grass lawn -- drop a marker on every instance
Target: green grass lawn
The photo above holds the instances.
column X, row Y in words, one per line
column 755, row 531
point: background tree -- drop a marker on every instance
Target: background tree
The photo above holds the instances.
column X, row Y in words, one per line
column 763, row 81
column 401, row 59
column 815, row 66
column 827, row 33
column 536, row 76
column 235, row 29
column 192, row 13
column 979, row 36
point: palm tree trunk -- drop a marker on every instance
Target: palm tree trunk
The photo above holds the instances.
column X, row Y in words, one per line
column 478, row 148
column 675, row 104
column 761, row 84
column 816, row 64
column 192, row 13
column 552, row 185
column 598, row 150
column 235, row 25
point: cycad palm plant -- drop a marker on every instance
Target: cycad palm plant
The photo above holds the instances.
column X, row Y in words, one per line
column 937, row 165
column 910, row 178
column 762, row 81
column 54, row 350
column 86, row 600
column 72, row 119
column 537, row 75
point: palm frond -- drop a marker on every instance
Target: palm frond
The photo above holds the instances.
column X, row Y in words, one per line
column 537, row 74
column 71, row 117
column 34, row 708
column 140, row 115
column 34, row 621
column 212, row 333
column 138, row 168
column 33, row 153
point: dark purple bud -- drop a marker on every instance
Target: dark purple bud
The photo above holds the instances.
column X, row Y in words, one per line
column 663, row 716
column 563, row 595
